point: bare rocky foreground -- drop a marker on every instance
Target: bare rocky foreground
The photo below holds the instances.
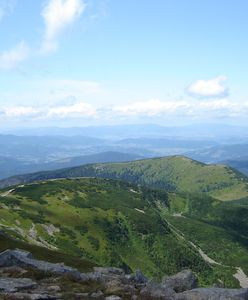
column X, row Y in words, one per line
column 23, row 277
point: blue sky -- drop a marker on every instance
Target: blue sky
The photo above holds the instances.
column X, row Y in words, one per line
column 78, row 62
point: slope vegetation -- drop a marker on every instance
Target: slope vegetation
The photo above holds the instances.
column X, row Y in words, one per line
column 108, row 222
column 175, row 174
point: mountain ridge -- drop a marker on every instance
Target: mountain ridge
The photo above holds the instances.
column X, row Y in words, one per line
column 172, row 173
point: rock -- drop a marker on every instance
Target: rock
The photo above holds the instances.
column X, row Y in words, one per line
column 116, row 287
column 25, row 259
column 213, row 294
column 183, row 281
column 16, row 284
column 85, row 277
column 107, row 276
column 129, row 277
column 98, row 295
column 139, row 277
column 13, row 271
column 26, row 296
column 112, row 283
column 156, row 292
column 53, row 289
column 81, row 296
column 109, row 271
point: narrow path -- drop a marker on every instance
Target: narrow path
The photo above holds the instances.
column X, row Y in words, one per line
column 239, row 275
column 205, row 256
column 178, row 215
column 7, row 193
column 242, row 278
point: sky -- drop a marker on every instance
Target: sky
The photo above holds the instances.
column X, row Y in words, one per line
column 95, row 62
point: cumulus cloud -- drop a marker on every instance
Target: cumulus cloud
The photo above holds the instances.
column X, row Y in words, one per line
column 13, row 57
column 57, row 15
column 212, row 88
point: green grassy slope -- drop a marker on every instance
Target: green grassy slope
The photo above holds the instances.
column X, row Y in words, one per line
column 175, row 173
column 218, row 228
column 109, row 222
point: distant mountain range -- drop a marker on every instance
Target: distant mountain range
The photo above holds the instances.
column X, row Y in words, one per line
column 239, row 164
column 25, row 154
column 220, row 153
column 10, row 166
column 202, row 131
column 232, row 155
column 37, row 149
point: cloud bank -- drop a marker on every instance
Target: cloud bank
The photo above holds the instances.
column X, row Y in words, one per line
column 150, row 108
column 142, row 110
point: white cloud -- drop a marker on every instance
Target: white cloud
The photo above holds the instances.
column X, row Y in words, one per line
column 20, row 111
column 57, row 15
column 217, row 108
column 151, row 107
column 212, row 88
column 183, row 109
column 76, row 110
column 13, row 57
column 70, row 111
column 217, row 105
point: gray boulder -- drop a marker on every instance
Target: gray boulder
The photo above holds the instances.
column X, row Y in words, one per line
column 25, row 259
column 109, row 271
column 15, row 284
column 183, row 281
column 97, row 295
column 156, row 292
column 213, row 294
column 27, row 296
column 139, row 277
column 116, row 287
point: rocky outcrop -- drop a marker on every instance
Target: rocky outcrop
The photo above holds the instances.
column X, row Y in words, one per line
column 15, row 284
column 213, row 294
column 156, row 292
column 109, row 271
column 25, row 259
column 183, row 281
column 23, row 277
